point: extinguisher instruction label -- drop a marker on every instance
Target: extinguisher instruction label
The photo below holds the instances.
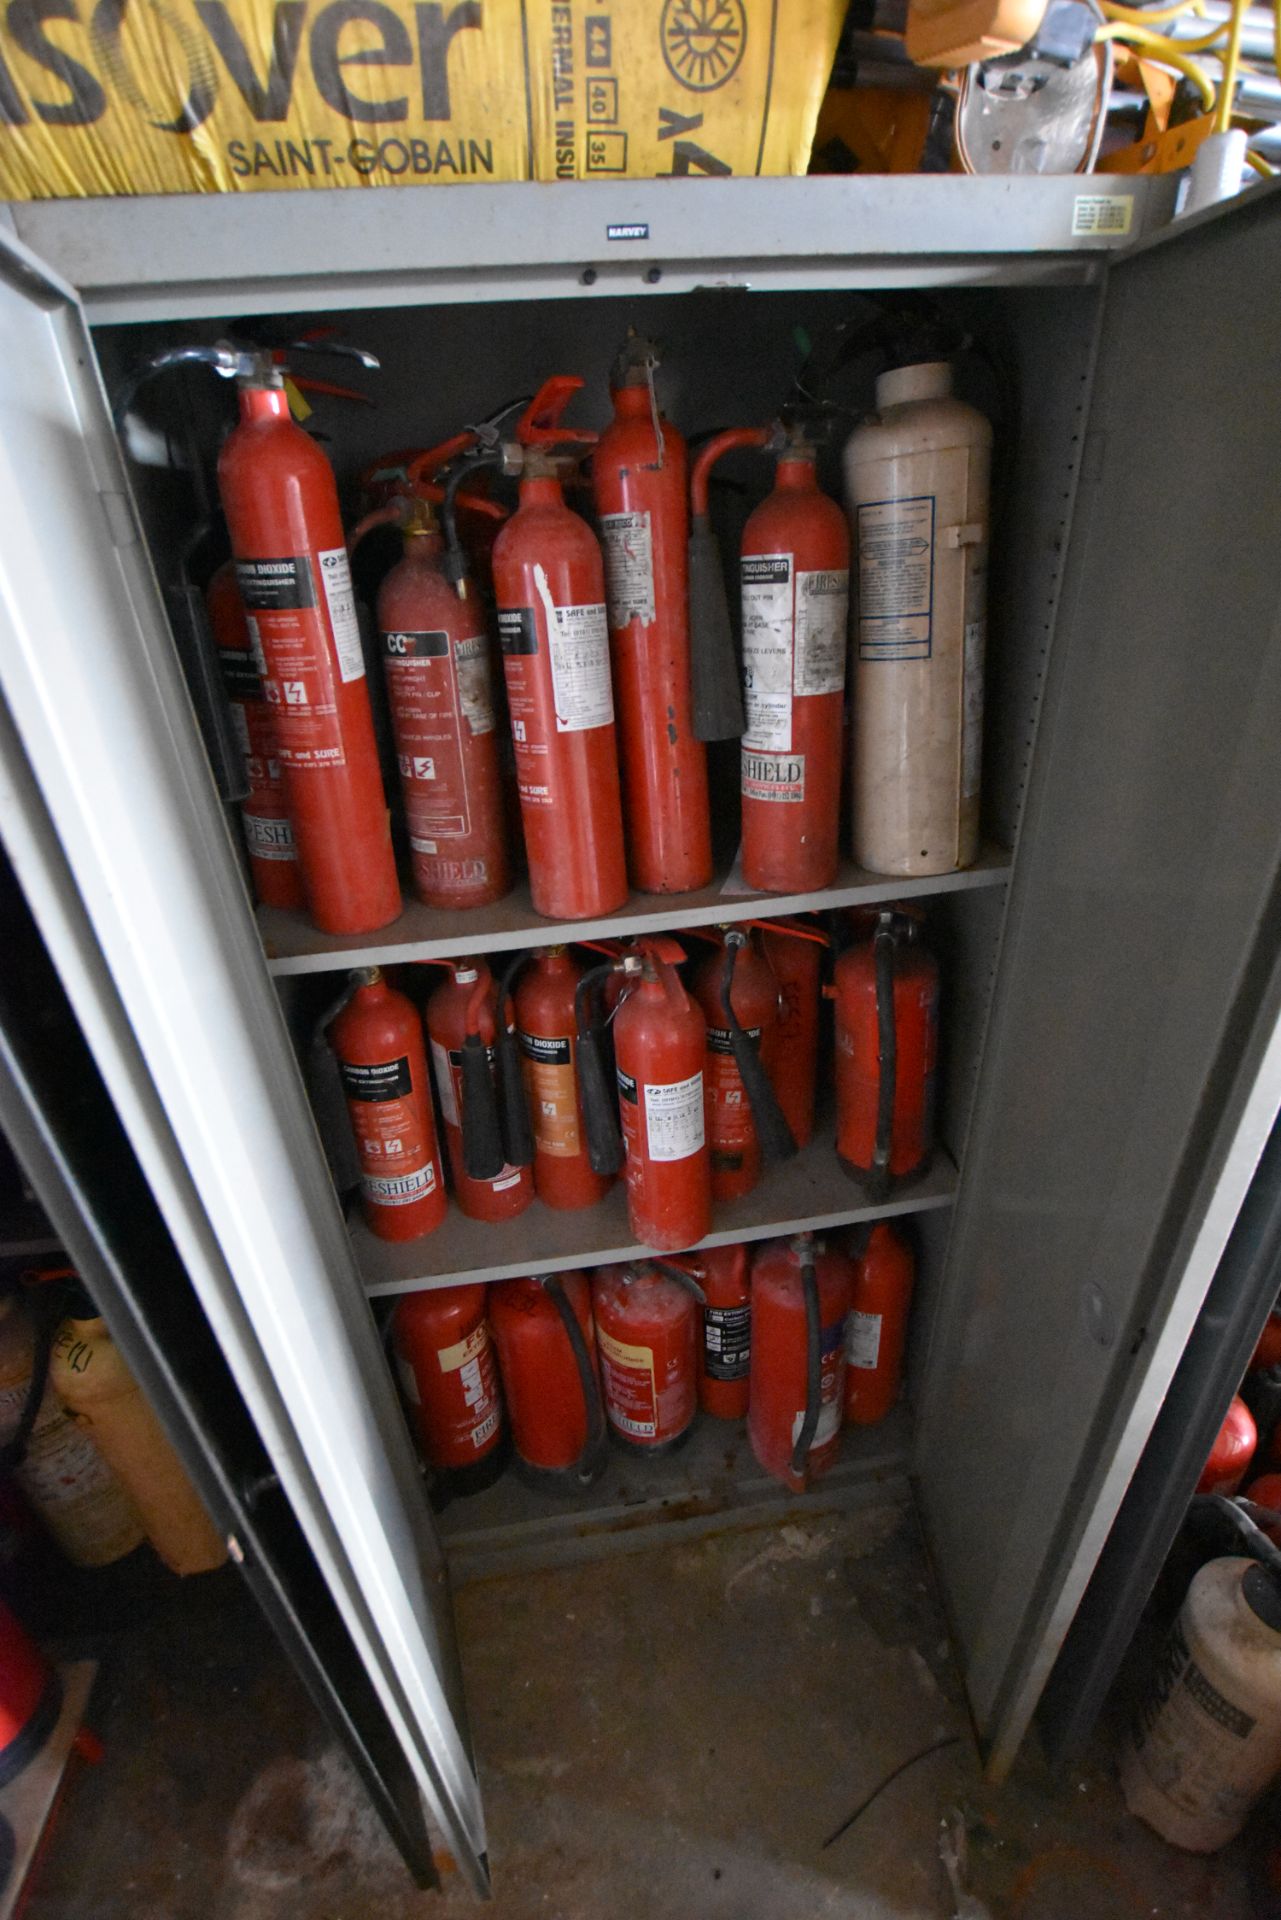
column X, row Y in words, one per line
column 727, row 1342
column 272, row 586
column 863, row 1339
column 822, row 632
column 580, row 669
column 341, row 602
column 628, row 545
column 767, row 650
column 239, row 675
column 472, row 1360
column 552, row 1093
column 386, row 1080
column 674, row 1124
column 773, row 776
column 397, row 1166
column 475, row 693
column 628, row 1381
column 896, row 578
column 291, row 645
column 517, row 630
column 433, row 701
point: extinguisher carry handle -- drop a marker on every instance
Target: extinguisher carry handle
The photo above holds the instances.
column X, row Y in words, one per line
column 778, row 1142
column 883, row 951
column 813, row 1366
column 682, row 1276
column 590, row 1463
column 481, row 1128
column 600, row 1103
column 513, row 1113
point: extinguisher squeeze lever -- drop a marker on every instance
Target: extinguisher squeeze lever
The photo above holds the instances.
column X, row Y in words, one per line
column 804, row 1248
column 776, row 1137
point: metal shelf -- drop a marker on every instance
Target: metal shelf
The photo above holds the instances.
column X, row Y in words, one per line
column 201, row 256
column 710, row 1484
column 812, row 1191
column 293, row 945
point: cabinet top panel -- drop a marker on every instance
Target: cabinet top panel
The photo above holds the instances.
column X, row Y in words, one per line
column 202, row 256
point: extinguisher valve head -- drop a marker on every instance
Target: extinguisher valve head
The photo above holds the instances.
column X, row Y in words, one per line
column 365, row 976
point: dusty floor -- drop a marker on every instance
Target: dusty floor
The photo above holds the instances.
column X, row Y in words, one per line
column 670, row 1735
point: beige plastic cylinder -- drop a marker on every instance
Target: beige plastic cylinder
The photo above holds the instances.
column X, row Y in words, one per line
column 64, row 1476
column 1206, row 1742
column 88, row 1374
column 916, row 490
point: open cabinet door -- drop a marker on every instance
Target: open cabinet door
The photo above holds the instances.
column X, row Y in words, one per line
column 112, row 824
column 1132, row 1071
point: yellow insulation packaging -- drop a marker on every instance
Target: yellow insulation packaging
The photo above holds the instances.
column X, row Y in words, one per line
column 207, row 96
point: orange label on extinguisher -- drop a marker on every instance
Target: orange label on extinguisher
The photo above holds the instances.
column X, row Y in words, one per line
column 290, row 637
column 552, row 1093
column 395, row 1165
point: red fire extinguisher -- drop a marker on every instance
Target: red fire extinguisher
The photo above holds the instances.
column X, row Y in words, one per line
column 281, row 503
column 800, row 1297
column 488, row 1163
column 660, row 1044
column 549, row 580
column 725, row 1360
column 437, row 661
column 546, row 1344
column 738, row 994
column 886, row 991
column 445, row 1359
column 795, row 586
column 546, row 1032
column 876, row 1331
column 647, row 1336
column 30, row 1697
column 794, row 950
column 639, row 473
column 378, row 1041
column 264, row 814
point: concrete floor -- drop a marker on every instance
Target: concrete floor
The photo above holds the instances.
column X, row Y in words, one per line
column 670, row 1734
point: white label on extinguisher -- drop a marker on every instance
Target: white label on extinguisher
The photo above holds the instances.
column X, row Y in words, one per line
column 580, row 669
column 268, row 839
column 767, row 651
column 445, row 1084
column 399, row 1190
column 863, row 1339
column 674, row 1118
column 822, row 625
column 829, row 1419
column 471, row 671
column 341, row 603
column 628, row 547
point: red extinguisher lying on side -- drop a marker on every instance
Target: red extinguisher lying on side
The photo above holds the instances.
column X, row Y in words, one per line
column 639, row 477
column 473, row 1055
column 445, row 1359
column 795, row 584
column 377, row 1039
column 436, row 657
column 886, row 991
column 660, row 1045
column 800, row 1296
column 546, row 1344
column 547, row 1035
column 876, row 1331
column 738, row 994
column 549, row 581
column 646, row 1317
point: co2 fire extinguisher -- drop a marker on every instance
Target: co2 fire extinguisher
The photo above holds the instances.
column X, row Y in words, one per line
column 281, row 502
column 489, row 1160
column 794, row 950
column 647, row 1337
column 264, row 814
column 549, row 581
column 445, row 1359
column 800, row 1296
column 546, row 1033
column 377, row 1040
column 546, row 1343
column 795, row 587
column 726, row 1357
column 437, row 663
column 639, row 479
column 660, row 1046
column 738, row 994
column 916, row 486
column 886, row 991
column 876, row 1331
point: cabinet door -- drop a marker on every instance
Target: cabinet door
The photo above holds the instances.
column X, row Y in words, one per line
column 1132, row 1069
column 114, row 828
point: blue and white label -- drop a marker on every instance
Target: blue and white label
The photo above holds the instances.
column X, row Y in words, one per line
column 896, row 579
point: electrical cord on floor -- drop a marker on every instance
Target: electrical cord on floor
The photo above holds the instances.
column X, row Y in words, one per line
column 937, row 1746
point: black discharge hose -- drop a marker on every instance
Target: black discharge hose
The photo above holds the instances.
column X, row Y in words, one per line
column 591, row 1461
column 1239, row 1513
column 513, row 1112
column 777, row 1139
column 883, row 950
column 682, row 1279
column 813, row 1363
column 455, row 561
column 600, row 1105
column 481, row 1127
